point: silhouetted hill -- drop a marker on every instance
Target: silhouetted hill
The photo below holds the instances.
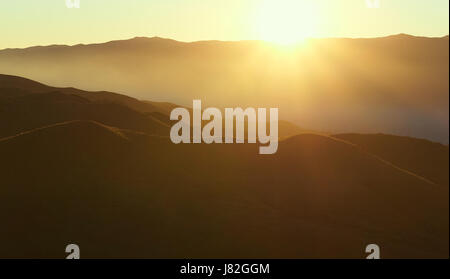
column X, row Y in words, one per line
column 428, row 159
column 78, row 134
column 288, row 129
column 28, row 105
column 15, row 83
column 98, row 169
column 122, row 194
column 26, row 111
column 395, row 85
column 16, row 86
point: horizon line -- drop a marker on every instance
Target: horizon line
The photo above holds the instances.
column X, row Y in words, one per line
column 225, row 41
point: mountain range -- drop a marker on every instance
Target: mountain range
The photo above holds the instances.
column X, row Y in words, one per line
column 394, row 85
column 98, row 169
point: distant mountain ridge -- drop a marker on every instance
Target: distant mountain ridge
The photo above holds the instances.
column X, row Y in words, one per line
column 395, row 85
column 163, row 39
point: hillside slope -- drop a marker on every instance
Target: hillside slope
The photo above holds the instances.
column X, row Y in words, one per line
column 28, row 105
column 395, row 85
column 423, row 157
column 122, row 194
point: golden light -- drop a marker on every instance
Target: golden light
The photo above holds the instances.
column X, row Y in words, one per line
column 286, row 21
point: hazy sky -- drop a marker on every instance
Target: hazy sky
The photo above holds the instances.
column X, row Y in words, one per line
column 41, row 22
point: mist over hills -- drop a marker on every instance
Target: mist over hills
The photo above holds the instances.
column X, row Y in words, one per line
column 28, row 105
column 98, row 169
column 394, row 85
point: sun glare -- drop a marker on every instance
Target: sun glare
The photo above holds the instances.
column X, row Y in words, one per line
column 286, row 22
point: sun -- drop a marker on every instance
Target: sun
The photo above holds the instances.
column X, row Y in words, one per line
column 286, row 21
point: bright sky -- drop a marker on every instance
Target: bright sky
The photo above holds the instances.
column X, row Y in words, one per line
column 41, row 22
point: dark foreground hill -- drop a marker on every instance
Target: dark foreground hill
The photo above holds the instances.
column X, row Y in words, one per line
column 98, row 169
column 119, row 193
column 423, row 157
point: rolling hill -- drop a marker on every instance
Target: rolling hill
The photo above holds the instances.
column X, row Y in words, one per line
column 121, row 194
column 394, row 85
column 28, row 105
column 416, row 155
column 104, row 174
